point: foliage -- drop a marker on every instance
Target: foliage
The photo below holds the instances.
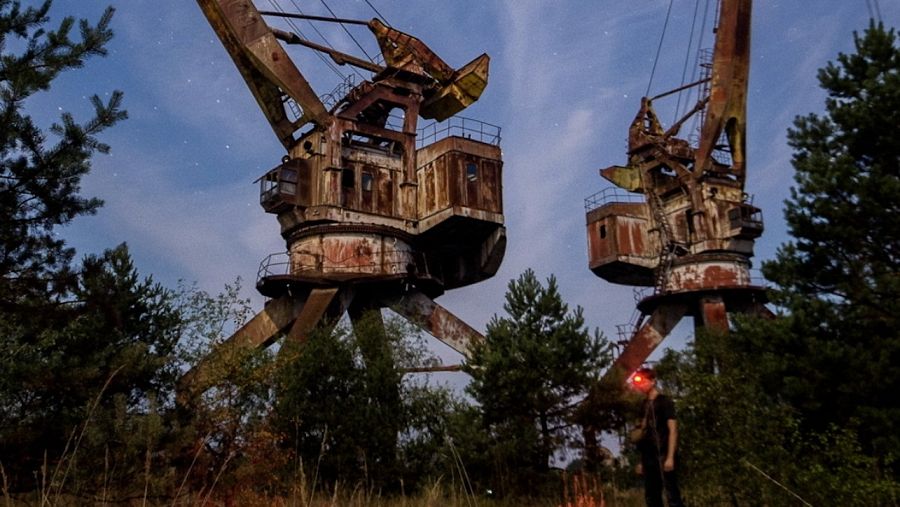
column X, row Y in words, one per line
column 40, row 181
column 345, row 413
column 808, row 399
column 743, row 441
column 104, row 352
column 224, row 435
column 838, row 278
column 530, row 374
column 85, row 349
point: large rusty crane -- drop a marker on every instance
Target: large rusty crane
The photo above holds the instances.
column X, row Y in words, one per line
column 685, row 228
column 374, row 211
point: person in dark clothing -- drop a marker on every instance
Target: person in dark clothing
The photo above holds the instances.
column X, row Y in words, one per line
column 658, row 442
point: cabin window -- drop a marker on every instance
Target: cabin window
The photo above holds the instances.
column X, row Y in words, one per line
column 368, row 181
column 471, row 172
column 268, row 186
column 347, row 178
column 348, row 184
column 288, row 179
column 602, row 231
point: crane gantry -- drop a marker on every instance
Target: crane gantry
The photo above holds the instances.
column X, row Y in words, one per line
column 686, row 227
column 374, row 211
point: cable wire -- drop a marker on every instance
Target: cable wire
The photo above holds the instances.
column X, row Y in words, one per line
column 325, row 39
column 662, row 37
column 697, row 63
column 378, row 13
column 687, row 57
column 275, row 5
column 348, row 32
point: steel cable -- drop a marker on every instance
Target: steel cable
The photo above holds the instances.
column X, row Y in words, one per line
column 662, row 37
column 687, row 57
column 327, row 43
column 275, row 5
column 348, row 32
column 378, row 13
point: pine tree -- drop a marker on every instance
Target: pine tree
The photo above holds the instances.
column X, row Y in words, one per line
column 531, row 372
column 86, row 349
column 838, row 278
column 40, row 175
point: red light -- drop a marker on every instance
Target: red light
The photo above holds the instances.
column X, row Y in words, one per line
column 637, row 379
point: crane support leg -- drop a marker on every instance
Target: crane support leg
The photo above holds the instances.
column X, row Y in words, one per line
column 286, row 314
column 314, row 309
column 260, row 331
column 661, row 322
column 437, row 320
column 712, row 315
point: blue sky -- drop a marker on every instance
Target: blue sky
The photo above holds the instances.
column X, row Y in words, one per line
column 566, row 79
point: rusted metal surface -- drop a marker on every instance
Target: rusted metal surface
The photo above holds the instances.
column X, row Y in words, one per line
column 361, row 165
column 708, row 271
column 369, row 206
column 458, row 88
column 727, row 109
column 691, row 238
column 265, row 66
column 314, row 309
column 262, row 330
column 713, row 315
column 437, row 320
column 647, row 337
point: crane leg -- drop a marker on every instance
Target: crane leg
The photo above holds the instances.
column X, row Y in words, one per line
column 438, row 321
column 661, row 322
column 260, row 331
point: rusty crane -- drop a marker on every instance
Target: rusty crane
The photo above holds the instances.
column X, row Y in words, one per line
column 374, row 212
column 685, row 228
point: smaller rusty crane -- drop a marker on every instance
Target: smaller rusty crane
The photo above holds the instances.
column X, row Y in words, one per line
column 686, row 228
column 374, row 212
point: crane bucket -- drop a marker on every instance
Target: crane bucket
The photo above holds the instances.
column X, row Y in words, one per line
column 461, row 92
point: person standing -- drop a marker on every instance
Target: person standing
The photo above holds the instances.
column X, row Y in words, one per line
column 658, row 442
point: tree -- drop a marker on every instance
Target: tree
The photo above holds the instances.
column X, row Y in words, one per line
column 103, row 352
column 838, row 278
column 810, row 396
column 343, row 409
column 531, row 372
column 85, row 349
column 40, row 181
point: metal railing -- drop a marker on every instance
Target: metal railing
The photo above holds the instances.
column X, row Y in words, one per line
column 459, row 126
column 757, row 279
column 281, row 264
column 330, row 99
column 611, row 195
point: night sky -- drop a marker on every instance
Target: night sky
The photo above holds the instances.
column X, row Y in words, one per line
column 566, row 79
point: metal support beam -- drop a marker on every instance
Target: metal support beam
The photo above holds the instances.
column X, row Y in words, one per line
column 661, row 322
column 314, row 309
column 712, row 315
column 260, row 331
column 437, row 320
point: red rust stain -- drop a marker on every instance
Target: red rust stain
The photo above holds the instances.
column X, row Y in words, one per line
column 715, row 316
column 714, row 276
column 347, row 253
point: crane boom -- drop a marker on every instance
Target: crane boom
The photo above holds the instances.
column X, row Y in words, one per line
column 266, row 67
column 727, row 108
column 692, row 238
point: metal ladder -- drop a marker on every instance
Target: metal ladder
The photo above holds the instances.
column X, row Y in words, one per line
column 667, row 245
